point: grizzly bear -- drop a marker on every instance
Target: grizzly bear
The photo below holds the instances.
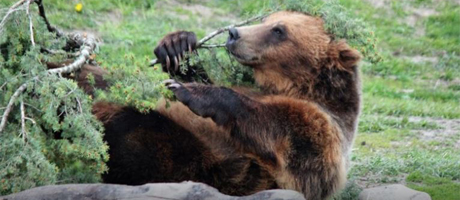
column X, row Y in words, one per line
column 294, row 131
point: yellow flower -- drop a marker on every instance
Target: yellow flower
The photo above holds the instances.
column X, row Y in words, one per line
column 78, row 7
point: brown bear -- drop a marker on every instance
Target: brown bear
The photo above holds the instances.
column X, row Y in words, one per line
column 293, row 132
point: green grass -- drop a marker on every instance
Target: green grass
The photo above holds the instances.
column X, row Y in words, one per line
column 395, row 34
column 438, row 187
column 375, row 124
column 389, row 147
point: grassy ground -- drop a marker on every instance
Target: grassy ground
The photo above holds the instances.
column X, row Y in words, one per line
column 410, row 127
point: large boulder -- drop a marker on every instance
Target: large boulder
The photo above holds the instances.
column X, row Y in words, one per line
column 392, row 192
column 185, row 190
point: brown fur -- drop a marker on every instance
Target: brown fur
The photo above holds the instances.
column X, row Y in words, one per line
column 105, row 111
column 97, row 73
column 82, row 75
column 295, row 133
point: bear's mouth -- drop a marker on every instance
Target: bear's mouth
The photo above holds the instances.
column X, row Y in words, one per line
column 238, row 56
column 243, row 59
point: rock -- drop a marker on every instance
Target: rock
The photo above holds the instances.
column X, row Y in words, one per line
column 392, row 192
column 185, row 190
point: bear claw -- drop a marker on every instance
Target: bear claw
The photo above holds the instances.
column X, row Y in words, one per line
column 169, row 81
column 172, row 84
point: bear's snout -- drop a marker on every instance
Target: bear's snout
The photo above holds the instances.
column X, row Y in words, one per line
column 232, row 37
column 245, row 44
column 233, row 34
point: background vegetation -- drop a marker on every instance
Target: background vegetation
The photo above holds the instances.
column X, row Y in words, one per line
column 410, row 128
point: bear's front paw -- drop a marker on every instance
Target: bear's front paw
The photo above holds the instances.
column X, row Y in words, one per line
column 172, row 48
column 183, row 92
column 205, row 100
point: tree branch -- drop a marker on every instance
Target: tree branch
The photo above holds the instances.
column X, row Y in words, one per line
column 86, row 42
column 217, row 32
column 11, row 10
column 32, row 120
column 79, row 106
column 41, row 12
column 10, row 105
column 208, row 46
column 89, row 44
column 31, row 27
column 23, row 122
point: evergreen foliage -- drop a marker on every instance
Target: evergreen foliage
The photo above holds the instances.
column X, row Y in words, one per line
column 134, row 83
column 61, row 141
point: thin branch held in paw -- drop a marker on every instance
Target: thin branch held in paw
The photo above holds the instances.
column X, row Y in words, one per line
column 218, row 32
column 208, row 46
column 221, row 30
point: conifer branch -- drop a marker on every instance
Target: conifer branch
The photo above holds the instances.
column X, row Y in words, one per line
column 219, row 31
column 88, row 46
column 23, row 122
column 32, row 120
column 4, row 84
column 31, row 26
column 9, row 107
column 10, row 11
column 79, row 105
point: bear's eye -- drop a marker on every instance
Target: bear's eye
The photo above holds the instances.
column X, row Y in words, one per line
column 278, row 31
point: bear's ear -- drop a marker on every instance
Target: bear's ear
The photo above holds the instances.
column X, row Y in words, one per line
column 349, row 58
column 346, row 56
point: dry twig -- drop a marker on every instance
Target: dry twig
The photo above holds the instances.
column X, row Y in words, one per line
column 89, row 44
column 41, row 11
column 23, row 122
column 208, row 46
column 79, row 106
column 200, row 43
column 32, row 120
column 10, row 105
column 31, row 27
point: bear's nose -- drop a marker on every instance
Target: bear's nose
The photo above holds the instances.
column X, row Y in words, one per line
column 233, row 34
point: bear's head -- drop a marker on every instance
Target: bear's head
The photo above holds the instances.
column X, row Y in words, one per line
column 289, row 49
